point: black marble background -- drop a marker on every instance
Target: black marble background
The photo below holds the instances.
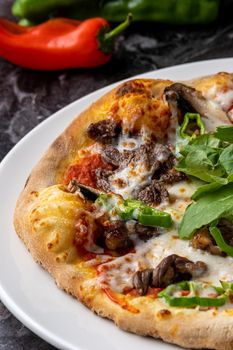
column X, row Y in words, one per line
column 28, row 97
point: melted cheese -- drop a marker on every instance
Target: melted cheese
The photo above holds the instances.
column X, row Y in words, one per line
column 128, row 143
column 117, row 274
column 134, row 175
column 128, row 179
column 183, row 189
column 224, row 98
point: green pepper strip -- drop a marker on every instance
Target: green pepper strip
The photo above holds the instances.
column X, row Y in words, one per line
column 216, row 233
column 190, row 117
column 147, row 216
column 227, row 286
column 193, row 300
column 169, row 11
column 151, row 217
column 131, row 209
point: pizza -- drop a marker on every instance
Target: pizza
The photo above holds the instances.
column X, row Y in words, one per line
column 131, row 209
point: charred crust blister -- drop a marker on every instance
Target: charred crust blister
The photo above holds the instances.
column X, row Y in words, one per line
column 130, row 87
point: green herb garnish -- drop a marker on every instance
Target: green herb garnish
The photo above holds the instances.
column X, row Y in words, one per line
column 208, row 208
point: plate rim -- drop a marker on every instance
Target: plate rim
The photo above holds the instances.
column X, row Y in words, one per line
column 11, row 305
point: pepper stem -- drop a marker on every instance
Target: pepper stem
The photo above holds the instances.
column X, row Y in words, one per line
column 116, row 31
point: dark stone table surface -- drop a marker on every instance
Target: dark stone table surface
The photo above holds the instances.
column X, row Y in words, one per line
column 28, row 97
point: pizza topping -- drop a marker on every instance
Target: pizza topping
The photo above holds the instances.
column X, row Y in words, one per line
column 209, row 158
column 227, row 286
column 121, row 300
column 142, row 280
column 174, row 268
column 220, row 240
column 84, row 171
column 120, row 235
column 83, row 191
column 116, row 235
column 192, row 294
column 217, row 240
column 151, row 153
column 85, row 234
column 138, row 167
column 172, row 176
column 144, row 232
column 206, row 210
column 206, row 158
column 171, row 269
column 187, row 98
column 225, row 99
column 102, row 179
column 203, row 240
column 182, row 98
column 112, row 155
column 104, row 131
column 130, row 209
column 224, row 133
column 192, row 126
column 155, row 193
column 223, row 96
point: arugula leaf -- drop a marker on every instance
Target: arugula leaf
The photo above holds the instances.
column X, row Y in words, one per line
column 210, row 187
column 206, row 140
column 224, row 133
column 207, row 209
column 205, row 189
column 226, row 159
column 201, row 162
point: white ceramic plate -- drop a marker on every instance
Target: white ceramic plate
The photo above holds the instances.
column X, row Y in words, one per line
column 27, row 290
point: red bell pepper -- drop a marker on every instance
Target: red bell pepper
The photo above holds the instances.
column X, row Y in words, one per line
column 59, row 43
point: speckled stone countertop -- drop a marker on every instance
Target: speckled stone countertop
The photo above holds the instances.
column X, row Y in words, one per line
column 28, row 97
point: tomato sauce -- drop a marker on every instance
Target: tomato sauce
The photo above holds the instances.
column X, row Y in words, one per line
column 120, row 300
column 152, row 292
column 84, row 170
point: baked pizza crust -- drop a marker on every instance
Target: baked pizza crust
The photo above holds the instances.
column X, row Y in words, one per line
column 140, row 101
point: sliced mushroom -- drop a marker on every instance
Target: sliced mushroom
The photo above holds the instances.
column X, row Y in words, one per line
column 84, row 191
column 116, row 236
column 182, row 98
column 203, row 240
column 172, row 269
column 175, row 268
column 142, row 280
column 145, row 232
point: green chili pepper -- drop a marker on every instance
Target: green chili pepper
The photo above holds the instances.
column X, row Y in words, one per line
column 216, row 233
column 189, row 118
column 227, row 286
column 169, row 11
column 192, row 299
column 151, row 217
column 128, row 210
column 38, row 9
column 131, row 209
column 147, row 216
